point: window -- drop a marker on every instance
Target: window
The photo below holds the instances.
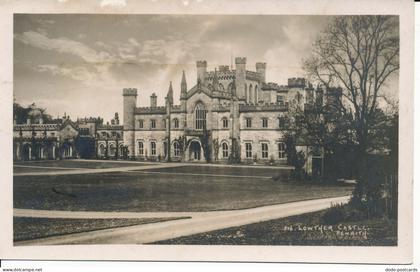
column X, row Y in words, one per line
column 152, row 123
column 177, row 149
column 225, row 122
column 141, row 149
column 52, row 134
column 200, row 117
column 248, row 150
column 104, row 133
column 164, row 123
column 264, row 122
column 248, row 122
column 280, row 99
column 153, row 148
column 282, row 150
column 282, row 122
column 176, row 123
column 140, row 123
column 225, row 150
column 264, row 150
column 114, row 133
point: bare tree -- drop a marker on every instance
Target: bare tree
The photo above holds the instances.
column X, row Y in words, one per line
column 358, row 53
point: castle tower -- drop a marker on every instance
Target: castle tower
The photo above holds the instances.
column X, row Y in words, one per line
column 153, row 100
column 201, row 71
column 183, row 96
column 260, row 68
column 129, row 106
column 240, row 76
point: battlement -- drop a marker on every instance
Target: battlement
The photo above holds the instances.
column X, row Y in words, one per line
column 201, row 63
column 240, row 60
column 86, row 120
column 251, row 75
column 36, row 127
column 129, row 92
column 110, row 127
column 260, row 65
column 223, row 68
column 150, row 110
column 225, row 75
column 263, row 107
column 297, row 82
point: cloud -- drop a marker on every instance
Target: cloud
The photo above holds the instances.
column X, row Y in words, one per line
column 76, row 73
column 63, row 45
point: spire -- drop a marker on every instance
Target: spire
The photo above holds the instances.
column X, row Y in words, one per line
column 215, row 81
column 183, row 85
column 170, row 95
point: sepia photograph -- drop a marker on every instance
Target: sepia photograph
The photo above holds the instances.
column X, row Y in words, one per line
column 200, row 133
column 182, row 130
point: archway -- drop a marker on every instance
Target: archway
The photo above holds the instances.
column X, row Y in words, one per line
column 195, row 151
column 66, row 151
column 26, row 152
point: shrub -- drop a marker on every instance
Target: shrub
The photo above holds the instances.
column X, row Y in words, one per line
column 334, row 215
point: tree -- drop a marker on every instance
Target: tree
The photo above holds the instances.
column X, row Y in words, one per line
column 360, row 54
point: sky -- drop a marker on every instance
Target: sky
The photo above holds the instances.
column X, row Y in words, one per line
column 79, row 64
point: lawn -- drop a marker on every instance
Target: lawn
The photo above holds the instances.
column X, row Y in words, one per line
column 217, row 170
column 73, row 164
column 140, row 192
column 26, row 228
column 295, row 230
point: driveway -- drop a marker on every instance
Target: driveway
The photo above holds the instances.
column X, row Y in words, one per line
column 198, row 223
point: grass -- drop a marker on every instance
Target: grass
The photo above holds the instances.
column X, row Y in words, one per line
column 27, row 228
column 217, row 170
column 141, row 192
column 70, row 164
column 290, row 231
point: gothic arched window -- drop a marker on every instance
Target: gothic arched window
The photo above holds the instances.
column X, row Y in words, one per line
column 176, row 123
column 200, row 117
column 225, row 150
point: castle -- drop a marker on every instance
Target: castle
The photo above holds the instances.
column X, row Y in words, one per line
column 230, row 114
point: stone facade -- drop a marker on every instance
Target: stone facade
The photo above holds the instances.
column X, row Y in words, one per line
column 229, row 114
column 65, row 139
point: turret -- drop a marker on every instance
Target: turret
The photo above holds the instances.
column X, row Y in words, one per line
column 170, row 95
column 129, row 106
column 240, row 75
column 153, row 100
column 183, row 85
column 201, row 71
column 183, row 96
column 260, row 68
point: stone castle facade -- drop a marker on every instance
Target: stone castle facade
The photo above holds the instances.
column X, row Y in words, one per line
column 228, row 115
